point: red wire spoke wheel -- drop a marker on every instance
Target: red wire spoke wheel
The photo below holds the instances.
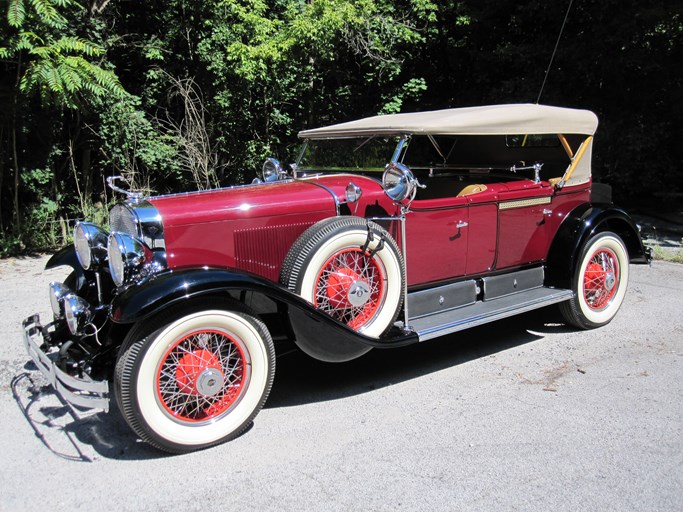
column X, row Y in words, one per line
column 601, row 279
column 350, row 287
column 202, row 376
column 599, row 282
column 195, row 375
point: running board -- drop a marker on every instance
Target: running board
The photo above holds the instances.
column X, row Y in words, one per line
column 481, row 312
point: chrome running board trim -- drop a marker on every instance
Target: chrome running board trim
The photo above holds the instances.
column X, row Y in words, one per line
column 447, row 322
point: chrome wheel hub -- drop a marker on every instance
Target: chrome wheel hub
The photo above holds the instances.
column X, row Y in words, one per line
column 359, row 293
column 209, row 382
column 610, row 281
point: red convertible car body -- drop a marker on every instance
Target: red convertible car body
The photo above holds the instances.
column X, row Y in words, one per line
column 387, row 231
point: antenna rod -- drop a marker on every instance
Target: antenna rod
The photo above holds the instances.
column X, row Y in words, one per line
column 557, row 43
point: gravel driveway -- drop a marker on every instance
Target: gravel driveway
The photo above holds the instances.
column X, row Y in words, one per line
column 524, row 414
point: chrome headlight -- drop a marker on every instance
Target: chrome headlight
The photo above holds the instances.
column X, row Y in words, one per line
column 57, row 293
column 126, row 256
column 398, row 181
column 272, row 170
column 353, row 192
column 77, row 313
column 90, row 243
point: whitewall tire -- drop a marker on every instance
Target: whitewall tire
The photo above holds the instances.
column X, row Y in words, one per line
column 196, row 380
column 599, row 282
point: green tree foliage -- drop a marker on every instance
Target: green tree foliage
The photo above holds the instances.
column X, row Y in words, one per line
column 91, row 90
column 45, row 57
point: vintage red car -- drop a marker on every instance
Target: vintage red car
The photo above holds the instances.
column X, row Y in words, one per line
column 387, row 231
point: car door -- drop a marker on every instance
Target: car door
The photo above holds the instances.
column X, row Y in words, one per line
column 523, row 233
column 436, row 240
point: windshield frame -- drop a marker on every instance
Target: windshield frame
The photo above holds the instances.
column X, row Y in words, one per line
column 396, row 156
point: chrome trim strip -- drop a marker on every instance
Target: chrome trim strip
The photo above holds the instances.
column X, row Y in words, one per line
column 337, row 203
column 522, row 203
column 399, row 148
column 484, row 312
column 150, row 225
column 300, row 157
column 212, row 190
column 85, row 393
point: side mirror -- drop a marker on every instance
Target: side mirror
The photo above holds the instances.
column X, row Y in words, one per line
column 398, row 182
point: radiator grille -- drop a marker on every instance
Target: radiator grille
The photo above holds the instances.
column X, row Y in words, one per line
column 121, row 219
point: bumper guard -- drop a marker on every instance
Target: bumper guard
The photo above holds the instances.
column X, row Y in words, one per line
column 82, row 392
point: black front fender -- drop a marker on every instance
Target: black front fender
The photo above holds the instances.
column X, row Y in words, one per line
column 168, row 288
column 66, row 256
column 578, row 227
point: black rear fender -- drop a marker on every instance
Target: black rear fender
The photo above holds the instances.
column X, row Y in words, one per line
column 580, row 225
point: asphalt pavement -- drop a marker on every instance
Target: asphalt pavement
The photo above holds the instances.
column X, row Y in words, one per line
column 525, row 414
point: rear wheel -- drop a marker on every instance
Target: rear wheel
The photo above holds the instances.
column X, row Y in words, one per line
column 195, row 377
column 599, row 282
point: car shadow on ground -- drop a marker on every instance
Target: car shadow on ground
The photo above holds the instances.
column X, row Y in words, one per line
column 299, row 380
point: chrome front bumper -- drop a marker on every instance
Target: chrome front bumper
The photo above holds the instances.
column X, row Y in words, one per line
column 80, row 391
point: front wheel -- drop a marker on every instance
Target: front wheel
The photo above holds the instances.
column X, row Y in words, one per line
column 599, row 282
column 196, row 380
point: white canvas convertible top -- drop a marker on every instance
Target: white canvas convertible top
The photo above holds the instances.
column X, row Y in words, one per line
column 487, row 120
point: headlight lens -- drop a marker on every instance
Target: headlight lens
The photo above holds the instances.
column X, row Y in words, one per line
column 90, row 243
column 77, row 313
column 399, row 182
column 57, row 293
column 272, row 170
column 126, row 256
column 353, row 192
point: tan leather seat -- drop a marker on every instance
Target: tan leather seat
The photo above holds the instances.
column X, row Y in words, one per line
column 554, row 181
column 475, row 188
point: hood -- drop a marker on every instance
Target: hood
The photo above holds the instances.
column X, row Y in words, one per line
column 252, row 227
column 242, row 202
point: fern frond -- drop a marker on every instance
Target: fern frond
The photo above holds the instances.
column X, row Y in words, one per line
column 70, row 77
column 78, row 45
column 48, row 13
column 16, row 13
column 28, row 81
column 30, row 39
column 41, row 51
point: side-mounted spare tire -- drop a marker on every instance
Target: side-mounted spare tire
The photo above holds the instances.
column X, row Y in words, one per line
column 350, row 268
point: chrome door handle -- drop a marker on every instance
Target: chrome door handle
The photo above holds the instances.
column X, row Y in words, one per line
column 461, row 224
column 547, row 212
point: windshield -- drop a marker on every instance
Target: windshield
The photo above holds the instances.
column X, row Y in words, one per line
column 350, row 154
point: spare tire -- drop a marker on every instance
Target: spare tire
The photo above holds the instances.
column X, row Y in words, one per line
column 350, row 268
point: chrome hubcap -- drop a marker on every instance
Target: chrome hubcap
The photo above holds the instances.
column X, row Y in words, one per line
column 359, row 293
column 209, row 382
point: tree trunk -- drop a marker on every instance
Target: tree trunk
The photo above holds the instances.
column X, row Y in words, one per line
column 2, row 174
column 16, row 228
